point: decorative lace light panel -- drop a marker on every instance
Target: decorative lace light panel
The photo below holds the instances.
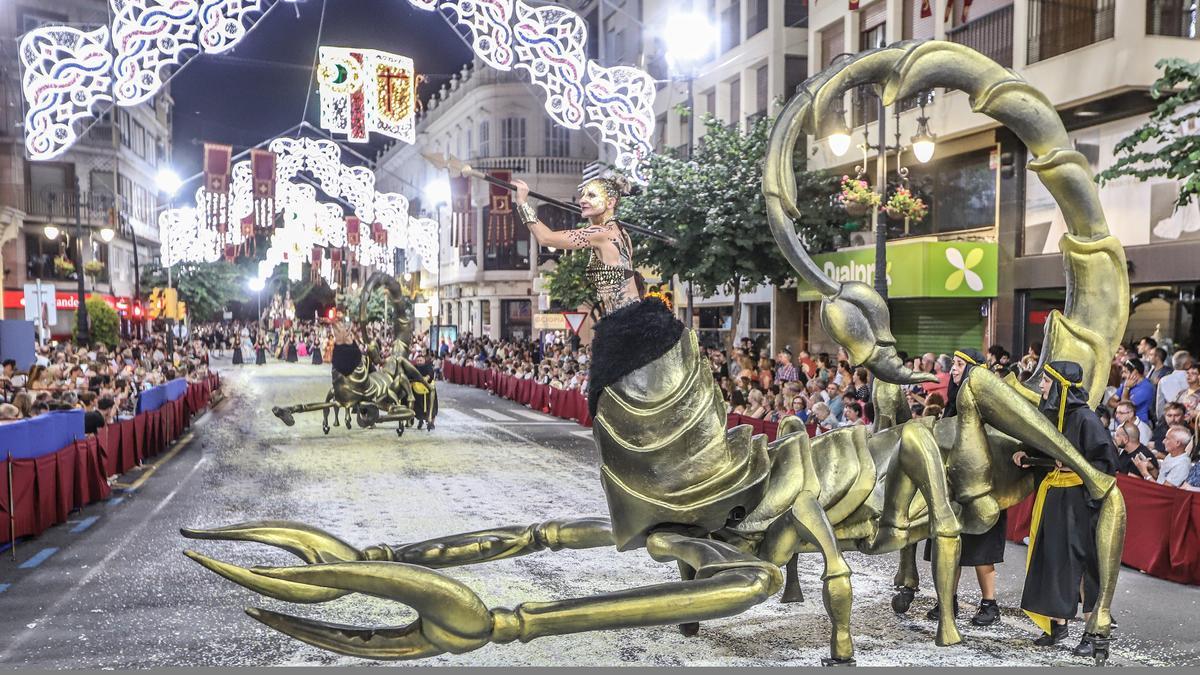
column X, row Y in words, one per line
column 68, row 72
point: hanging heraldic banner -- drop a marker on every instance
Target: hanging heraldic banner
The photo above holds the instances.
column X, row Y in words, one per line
column 364, row 91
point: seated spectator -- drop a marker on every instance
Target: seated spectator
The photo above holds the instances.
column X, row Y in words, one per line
column 823, row 418
column 9, row 413
column 1189, row 396
column 799, row 408
column 862, row 384
column 933, row 410
column 1174, row 469
column 1126, row 412
column 757, row 407
column 107, row 408
column 92, row 418
column 853, row 412
column 1130, row 450
column 1172, row 415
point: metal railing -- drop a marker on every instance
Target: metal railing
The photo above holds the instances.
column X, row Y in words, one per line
column 1060, row 26
column 1173, row 18
column 543, row 165
column 990, row 35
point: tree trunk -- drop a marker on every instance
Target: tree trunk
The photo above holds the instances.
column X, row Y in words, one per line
column 736, row 319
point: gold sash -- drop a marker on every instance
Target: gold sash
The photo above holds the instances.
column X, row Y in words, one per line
column 1059, row 478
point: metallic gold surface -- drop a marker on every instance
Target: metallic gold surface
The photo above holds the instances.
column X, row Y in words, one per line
column 729, row 508
column 386, row 393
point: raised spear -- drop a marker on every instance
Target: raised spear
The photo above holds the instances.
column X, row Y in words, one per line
column 457, row 167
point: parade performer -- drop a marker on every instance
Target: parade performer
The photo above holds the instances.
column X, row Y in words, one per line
column 634, row 331
column 981, row 551
column 238, row 357
column 1062, row 555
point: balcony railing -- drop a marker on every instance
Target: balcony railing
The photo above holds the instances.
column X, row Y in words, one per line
column 1172, row 18
column 542, row 165
column 1060, row 26
column 990, row 35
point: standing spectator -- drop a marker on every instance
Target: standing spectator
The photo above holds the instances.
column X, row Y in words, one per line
column 1174, row 469
column 785, row 371
column 1159, row 368
column 862, row 387
column 1135, row 388
column 92, row 418
column 1130, row 451
column 1144, row 347
column 1189, row 398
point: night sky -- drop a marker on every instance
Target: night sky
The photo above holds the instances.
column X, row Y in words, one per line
column 257, row 90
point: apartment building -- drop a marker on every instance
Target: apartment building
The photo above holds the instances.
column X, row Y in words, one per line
column 760, row 54
column 1094, row 60
column 108, row 176
column 489, row 264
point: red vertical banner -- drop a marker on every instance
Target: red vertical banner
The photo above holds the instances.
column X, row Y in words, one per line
column 949, row 14
column 460, row 214
column 500, row 218
column 966, row 11
column 352, row 230
column 262, row 175
column 852, row 5
column 217, row 159
column 358, row 111
column 926, row 9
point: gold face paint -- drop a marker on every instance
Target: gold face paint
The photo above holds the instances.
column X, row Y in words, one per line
column 594, row 194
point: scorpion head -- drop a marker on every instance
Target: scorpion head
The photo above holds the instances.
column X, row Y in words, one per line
column 857, row 318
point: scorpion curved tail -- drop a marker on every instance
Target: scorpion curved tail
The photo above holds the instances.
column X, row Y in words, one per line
column 852, row 313
column 402, row 306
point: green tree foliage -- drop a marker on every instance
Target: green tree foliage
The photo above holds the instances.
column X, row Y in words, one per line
column 377, row 305
column 1166, row 146
column 104, row 324
column 207, row 288
column 715, row 209
column 569, row 287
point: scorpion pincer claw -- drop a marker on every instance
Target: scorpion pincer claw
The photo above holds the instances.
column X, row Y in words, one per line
column 308, row 543
column 452, row 617
column 288, row 591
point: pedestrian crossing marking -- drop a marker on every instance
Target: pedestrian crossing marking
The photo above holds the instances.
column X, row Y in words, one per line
column 583, row 434
column 492, row 414
column 530, row 414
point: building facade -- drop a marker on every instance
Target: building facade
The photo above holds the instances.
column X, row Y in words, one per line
column 107, row 177
column 1094, row 60
column 487, row 279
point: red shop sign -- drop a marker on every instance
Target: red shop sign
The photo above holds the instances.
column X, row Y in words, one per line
column 68, row 301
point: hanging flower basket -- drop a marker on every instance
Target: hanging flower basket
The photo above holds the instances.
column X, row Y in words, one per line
column 857, row 197
column 64, row 266
column 93, row 268
column 903, row 205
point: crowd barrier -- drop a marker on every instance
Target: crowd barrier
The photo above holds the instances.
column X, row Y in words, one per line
column 567, row 405
column 55, row 468
column 1162, row 537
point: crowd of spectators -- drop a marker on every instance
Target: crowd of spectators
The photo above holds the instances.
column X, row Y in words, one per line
column 104, row 383
column 1150, row 405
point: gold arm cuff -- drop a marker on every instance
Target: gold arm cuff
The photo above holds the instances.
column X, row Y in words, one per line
column 526, row 213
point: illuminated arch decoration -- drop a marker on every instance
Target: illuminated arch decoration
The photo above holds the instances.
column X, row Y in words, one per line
column 68, row 73
column 364, row 91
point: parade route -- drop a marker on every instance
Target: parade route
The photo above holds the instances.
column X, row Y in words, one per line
column 111, row 588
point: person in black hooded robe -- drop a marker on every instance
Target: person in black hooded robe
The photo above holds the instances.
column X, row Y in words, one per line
column 1062, row 562
column 981, row 551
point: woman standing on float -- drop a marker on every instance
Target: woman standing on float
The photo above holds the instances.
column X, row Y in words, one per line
column 620, row 345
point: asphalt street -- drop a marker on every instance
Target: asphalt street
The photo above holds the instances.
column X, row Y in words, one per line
column 111, row 588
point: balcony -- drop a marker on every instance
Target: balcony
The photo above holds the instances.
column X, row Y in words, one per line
column 1060, row 26
column 539, row 165
column 1172, row 18
column 990, row 35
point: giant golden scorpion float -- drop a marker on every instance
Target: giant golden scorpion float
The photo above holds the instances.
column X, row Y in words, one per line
column 391, row 391
column 730, row 508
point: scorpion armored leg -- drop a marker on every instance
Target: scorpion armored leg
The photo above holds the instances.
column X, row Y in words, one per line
column 453, row 619
column 287, row 414
column 907, row 580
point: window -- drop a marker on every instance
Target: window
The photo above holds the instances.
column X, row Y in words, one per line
column 795, row 72
column 558, row 140
column 32, row 18
column 795, row 13
column 762, row 82
column 760, row 325
column 710, row 101
column 484, row 148
column 715, row 322
column 735, row 101
column 126, row 135
column 756, row 22
column 40, row 253
column 512, row 137
column 139, row 139
column 470, row 146
column 731, row 26
column 960, row 191
column 617, row 46
column 100, row 253
column 832, row 42
column 660, row 124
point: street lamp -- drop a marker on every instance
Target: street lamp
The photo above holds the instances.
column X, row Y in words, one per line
column 51, row 232
column 107, row 234
column 689, row 39
column 437, row 192
column 257, row 284
column 168, row 183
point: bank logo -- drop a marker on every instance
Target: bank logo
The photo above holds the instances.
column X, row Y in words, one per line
column 962, row 269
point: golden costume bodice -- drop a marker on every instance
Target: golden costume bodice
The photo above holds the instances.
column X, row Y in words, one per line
column 615, row 284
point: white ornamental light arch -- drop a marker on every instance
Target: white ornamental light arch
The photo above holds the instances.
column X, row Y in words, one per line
column 70, row 75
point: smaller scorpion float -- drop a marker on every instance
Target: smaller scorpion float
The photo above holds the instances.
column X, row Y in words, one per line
column 378, row 390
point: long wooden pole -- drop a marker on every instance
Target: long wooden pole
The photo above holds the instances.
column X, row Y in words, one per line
column 12, row 511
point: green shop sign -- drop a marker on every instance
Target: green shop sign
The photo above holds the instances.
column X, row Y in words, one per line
column 924, row 269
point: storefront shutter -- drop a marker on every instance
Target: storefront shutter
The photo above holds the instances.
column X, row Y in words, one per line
column 938, row 326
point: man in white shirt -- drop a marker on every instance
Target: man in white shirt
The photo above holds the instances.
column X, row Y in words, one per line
column 1125, row 413
column 1170, row 385
column 1173, row 470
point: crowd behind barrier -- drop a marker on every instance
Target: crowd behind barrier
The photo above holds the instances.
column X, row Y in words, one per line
column 55, row 468
column 562, row 403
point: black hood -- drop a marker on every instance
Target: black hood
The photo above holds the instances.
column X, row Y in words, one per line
column 974, row 359
column 1066, row 391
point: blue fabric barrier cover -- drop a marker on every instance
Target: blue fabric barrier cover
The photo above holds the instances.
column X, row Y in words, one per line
column 176, row 389
column 41, row 435
column 151, row 399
